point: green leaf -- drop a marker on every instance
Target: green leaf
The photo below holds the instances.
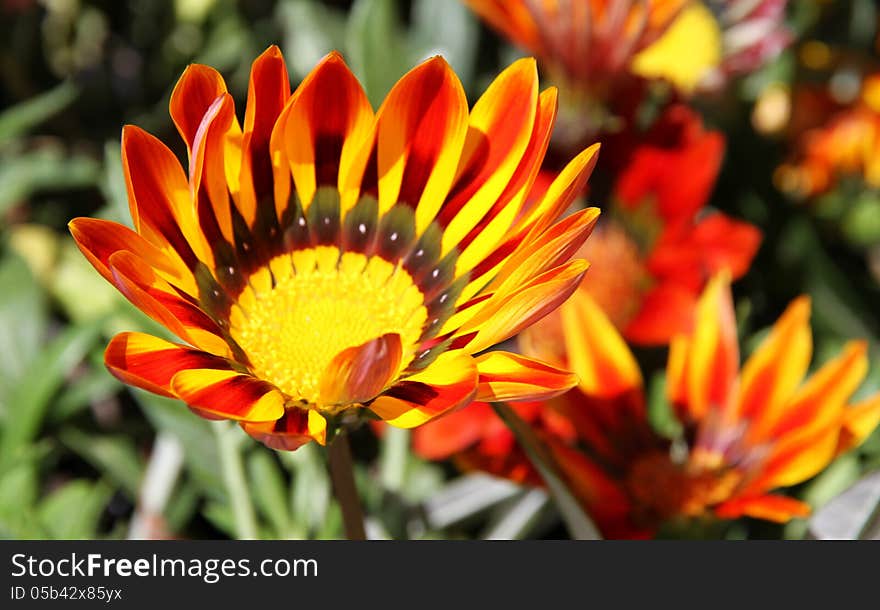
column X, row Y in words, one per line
column 73, row 511
column 447, row 28
column 580, row 526
column 115, row 456
column 23, row 117
column 269, row 490
column 46, row 168
column 661, row 416
column 23, row 322
column 311, row 30
column 851, row 515
column 30, row 398
column 310, row 491
column 376, row 46
column 194, row 433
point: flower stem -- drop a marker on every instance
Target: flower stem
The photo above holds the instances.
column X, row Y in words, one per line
column 236, row 486
column 342, row 475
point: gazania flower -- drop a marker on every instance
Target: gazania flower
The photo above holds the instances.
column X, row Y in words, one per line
column 323, row 262
column 746, row 431
column 847, row 146
column 586, row 46
column 715, row 40
column 660, row 244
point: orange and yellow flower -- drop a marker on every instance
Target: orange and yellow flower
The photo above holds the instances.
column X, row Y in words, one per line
column 323, row 261
column 657, row 249
column 745, row 431
column 586, row 41
column 847, row 146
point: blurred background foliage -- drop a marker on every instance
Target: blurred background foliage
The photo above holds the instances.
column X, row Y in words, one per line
column 82, row 457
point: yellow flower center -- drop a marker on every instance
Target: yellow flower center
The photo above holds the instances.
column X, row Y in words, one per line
column 304, row 308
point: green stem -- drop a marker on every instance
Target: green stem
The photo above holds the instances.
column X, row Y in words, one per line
column 342, row 475
column 234, row 479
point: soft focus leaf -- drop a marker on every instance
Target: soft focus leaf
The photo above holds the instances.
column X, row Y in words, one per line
column 447, row 28
column 376, row 47
column 269, row 491
column 23, row 117
column 30, row 398
column 580, row 526
column 73, row 511
column 115, row 456
column 311, row 30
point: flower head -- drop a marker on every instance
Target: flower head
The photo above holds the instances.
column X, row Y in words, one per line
column 660, row 244
column 846, row 146
column 746, row 431
column 323, row 261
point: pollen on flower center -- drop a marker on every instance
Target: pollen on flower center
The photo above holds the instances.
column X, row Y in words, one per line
column 317, row 303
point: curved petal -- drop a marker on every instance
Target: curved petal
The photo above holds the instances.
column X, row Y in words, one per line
column 229, row 394
column 510, row 377
column 712, row 364
column 507, row 314
column 150, row 363
column 420, row 132
column 779, row 509
column 449, row 383
column 595, row 351
column 325, row 127
column 500, row 128
column 196, row 90
column 859, row 421
column 357, row 374
column 291, row 431
column 776, row 368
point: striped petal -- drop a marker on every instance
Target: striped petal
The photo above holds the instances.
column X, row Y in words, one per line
column 500, row 127
column 99, row 239
column 150, row 363
column 449, row 383
column 510, row 377
column 421, row 128
column 595, row 351
column 506, row 315
column 159, row 198
column 859, row 421
column 325, row 128
column 228, row 394
column 197, row 89
column 291, row 431
column 776, row 368
column 712, row 363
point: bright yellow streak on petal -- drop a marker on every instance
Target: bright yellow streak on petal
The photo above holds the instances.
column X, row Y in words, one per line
column 689, row 49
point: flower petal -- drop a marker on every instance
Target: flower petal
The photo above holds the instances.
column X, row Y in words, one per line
column 290, row 432
column 229, row 394
column 357, row 374
column 779, row 509
column 452, row 433
column 509, row 377
column 449, row 383
column 500, row 128
column 150, row 363
column 421, row 128
column 326, row 125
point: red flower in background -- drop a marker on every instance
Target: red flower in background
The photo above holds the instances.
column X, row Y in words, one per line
column 659, row 247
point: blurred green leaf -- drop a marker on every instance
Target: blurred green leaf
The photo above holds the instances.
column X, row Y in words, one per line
column 73, row 511
column 46, row 168
column 23, row 322
column 269, row 490
column 29, row 399
column 23, row 117
column 851, row 515
column 447, row 28
column 311, row 30
column 310, row 491
column 376, row 46
column 202, row 458
column 580, row 526
column 114, row 456
column 661, row 415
